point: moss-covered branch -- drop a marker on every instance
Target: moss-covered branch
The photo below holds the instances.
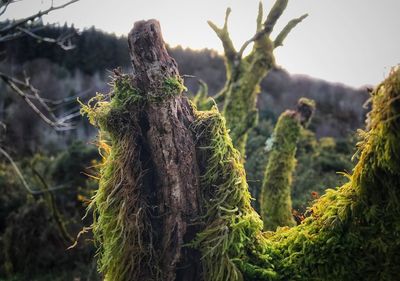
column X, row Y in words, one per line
column 229, row 48
column 276, row 11
column 287, row 29
column 275, row 196
column 244, row 74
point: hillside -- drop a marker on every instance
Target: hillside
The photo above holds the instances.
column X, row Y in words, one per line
column 85, row 70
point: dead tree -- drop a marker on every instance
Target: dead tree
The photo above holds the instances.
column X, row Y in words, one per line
column 244, row 74
column 173, row 201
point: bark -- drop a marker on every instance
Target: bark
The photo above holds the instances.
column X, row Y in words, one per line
column 171, row 150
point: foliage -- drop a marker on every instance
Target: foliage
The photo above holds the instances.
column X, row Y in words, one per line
column 318, row 164
column 32, row 238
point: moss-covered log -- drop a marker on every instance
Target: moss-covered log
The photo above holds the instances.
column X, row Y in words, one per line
column 244, row 74
column 173, row 201
column 275, row 196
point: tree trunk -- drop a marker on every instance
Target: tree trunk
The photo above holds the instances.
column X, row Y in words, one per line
column 152, row 169
column 170, row 142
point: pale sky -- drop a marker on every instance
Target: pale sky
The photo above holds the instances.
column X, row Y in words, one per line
column 349, row 41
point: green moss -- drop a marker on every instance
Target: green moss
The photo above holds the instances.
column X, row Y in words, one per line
column 201, row 98
column 173, row 87
column 275, row 200
column 121, row 226
column 230, row 221
column 350, row 233
column 114, row 112
column 275, row 196
column 240, row 102
column 306, row 101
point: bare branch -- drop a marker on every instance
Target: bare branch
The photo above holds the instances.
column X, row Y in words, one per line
column 54, row 104
column 223, row 35
column 4, row 5
column 53, row 205
column 286, row 30
column 13, row 25
column 17, row 85
column 64, row 41
column 38, row 97
column 21, row 177
column 17, row 34
column 11, row 36
column 274, row 15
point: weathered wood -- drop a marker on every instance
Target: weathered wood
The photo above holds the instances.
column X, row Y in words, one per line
column 171, row 152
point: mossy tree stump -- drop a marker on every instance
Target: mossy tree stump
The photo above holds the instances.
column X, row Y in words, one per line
column 173, row 201
column 148, row 198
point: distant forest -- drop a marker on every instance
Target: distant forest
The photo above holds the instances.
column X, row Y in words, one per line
column 86, row 69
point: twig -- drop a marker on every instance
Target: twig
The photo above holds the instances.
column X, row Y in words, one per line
column 286, row 30
column 21, row 177
column 15, row 85
column 13, row 25
column 53, row 205
column 64, row 41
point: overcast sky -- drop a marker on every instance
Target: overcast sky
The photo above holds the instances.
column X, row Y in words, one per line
column 350, row 41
